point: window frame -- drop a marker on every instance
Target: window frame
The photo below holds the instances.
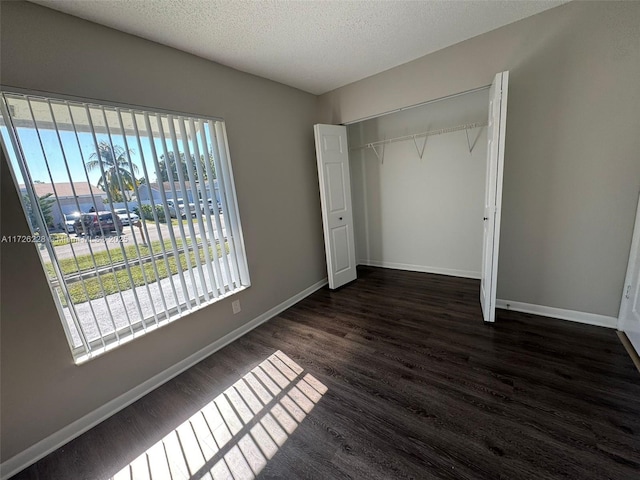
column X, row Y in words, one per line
column 116, row 338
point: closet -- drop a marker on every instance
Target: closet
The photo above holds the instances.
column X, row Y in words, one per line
column 418, row 201
column 417, row 189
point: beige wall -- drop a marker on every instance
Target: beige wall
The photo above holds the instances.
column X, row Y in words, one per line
column 271, row 143
column 572, row 161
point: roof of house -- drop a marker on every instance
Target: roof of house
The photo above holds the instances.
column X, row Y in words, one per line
column 65, row 190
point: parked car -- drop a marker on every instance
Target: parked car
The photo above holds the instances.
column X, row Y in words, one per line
column 211, row 207
column 95, row 223
column 177, row 207
column 124, row 216
column 172, row 208
column 70, row 221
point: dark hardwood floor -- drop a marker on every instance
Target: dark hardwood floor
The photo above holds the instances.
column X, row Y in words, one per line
column 393, row 376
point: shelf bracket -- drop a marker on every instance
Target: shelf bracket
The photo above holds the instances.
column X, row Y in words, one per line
column 379, row 154
column 469, row 143
column 420, row 150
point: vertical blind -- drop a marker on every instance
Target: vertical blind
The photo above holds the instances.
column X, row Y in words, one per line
column 94, row 159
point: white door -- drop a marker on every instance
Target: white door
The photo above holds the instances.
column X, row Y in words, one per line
column 629, row 318
column 493, row 194
column 335, row 195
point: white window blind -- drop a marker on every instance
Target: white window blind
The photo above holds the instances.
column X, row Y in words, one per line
column 176, row 244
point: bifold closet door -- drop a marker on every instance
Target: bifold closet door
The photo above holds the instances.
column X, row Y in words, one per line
column 335, row 195
column 493, row 194
column 629, row 319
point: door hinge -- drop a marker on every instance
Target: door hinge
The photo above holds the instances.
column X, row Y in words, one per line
column 628, row 291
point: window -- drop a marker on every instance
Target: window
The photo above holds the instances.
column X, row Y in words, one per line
column 133, row 211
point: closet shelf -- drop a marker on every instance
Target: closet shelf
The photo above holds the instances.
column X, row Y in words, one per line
column 467, row 126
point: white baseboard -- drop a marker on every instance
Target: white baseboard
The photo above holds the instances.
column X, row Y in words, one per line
column 54, row 441
column 421, row 268
column 561, row 313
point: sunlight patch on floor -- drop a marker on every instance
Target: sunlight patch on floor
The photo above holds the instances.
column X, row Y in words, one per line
column 234, row 435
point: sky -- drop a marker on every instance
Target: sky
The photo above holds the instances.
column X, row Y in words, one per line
column 60, row 156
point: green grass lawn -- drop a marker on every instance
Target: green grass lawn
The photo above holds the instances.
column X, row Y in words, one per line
column 185, row 221
column 174, row 221
column 59, row 239
column 111, row 281
column 101, row 259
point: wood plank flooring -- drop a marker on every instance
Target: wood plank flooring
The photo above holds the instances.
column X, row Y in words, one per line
column 393, row 376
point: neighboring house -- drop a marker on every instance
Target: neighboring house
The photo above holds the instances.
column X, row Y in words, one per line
column 152, row 190
column 85, row 193
column 67, row 203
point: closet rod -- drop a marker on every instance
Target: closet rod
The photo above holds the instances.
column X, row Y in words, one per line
column 421, row 104
column 466, row 126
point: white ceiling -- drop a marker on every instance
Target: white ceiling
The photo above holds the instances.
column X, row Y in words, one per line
column 313, row 45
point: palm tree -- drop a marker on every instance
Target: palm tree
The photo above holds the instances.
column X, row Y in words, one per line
column 166, row 164
column 113, row 163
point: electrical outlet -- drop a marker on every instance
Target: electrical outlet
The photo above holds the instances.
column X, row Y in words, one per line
column 235, row 305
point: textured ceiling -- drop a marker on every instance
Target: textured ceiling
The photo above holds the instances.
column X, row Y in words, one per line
column 315, row 46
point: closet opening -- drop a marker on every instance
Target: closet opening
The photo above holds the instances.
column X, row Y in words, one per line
column 418, row 186
column 418, row 189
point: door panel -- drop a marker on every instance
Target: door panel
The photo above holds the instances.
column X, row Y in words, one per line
column 340, row 238
column 335, row 196
column 493, row 194
column 335, row 184
column 332, row 143
column 629, row 318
